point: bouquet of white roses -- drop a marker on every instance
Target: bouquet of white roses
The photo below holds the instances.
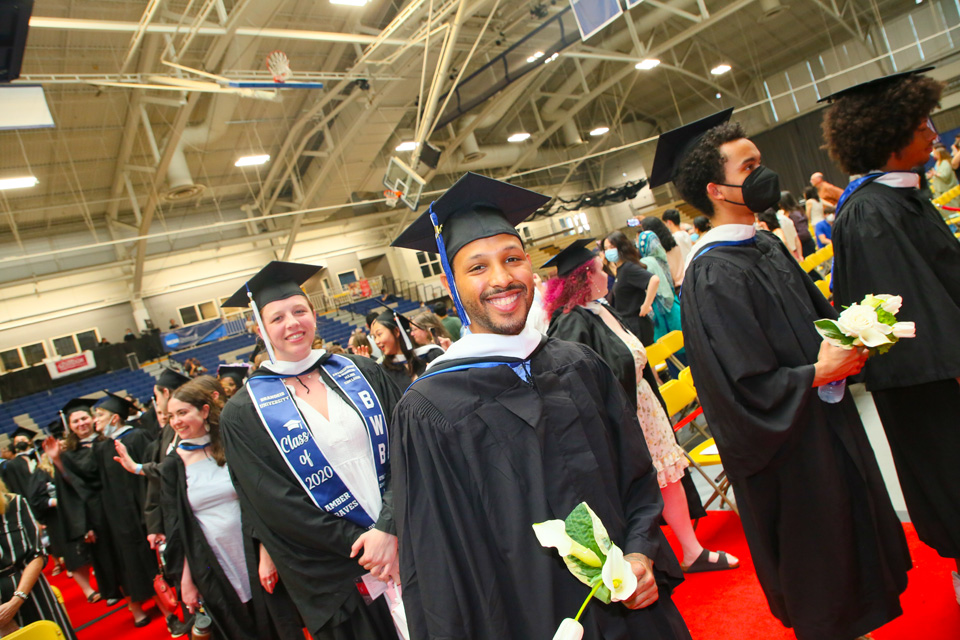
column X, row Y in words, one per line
column 591, row 557
column 870, row 323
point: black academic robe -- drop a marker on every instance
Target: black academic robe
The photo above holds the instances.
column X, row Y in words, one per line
column 891, row 240
column 156, row 452
column 583, row 326
column 122, row 498
column 81, row 509
column 310, row 547
column 41, row 490
column 232, row 617
column 828, row 548
column 16, row 474
column 479, row 456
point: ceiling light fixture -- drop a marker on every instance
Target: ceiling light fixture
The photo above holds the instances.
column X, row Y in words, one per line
column 408, row 145
column 518, row 137
column 720, row 69
column 252, row 161
column 535, row 57
column 647, row 64
column 350, row 3
column 553, row 57
column 18, row 183
column 599, row 131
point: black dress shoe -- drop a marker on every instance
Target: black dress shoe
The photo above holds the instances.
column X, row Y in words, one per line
column 142, row 622
column 113, row 601
column 176, row 628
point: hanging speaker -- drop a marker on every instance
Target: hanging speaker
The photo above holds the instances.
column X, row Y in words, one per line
column 14, row 23
column 430, row 155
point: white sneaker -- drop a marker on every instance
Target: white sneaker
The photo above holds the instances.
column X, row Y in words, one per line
column 956, row 585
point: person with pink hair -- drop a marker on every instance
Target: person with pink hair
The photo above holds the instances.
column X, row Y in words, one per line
column 574, row 302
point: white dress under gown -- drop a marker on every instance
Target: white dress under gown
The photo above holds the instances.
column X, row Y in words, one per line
column 668, row 457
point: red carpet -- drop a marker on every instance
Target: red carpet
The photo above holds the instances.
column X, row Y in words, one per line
column 729, row 605
column 726, row 605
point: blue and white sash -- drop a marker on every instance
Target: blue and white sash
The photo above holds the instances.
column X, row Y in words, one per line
column 279, row 414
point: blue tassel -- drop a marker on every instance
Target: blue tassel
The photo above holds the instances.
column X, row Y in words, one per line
column 447, row 269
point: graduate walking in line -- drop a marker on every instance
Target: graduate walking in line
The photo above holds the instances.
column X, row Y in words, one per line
column 828, row 548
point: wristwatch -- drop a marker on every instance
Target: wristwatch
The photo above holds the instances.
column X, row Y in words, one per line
column 20, row 594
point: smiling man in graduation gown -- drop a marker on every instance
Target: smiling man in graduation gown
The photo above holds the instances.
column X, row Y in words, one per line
column 889, row 239
column 507, row 429
column 828, row 548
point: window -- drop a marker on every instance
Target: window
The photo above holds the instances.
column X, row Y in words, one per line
column 577, row 223
column 23, row 356
column 207, row 310
column 76, row 342
column 429, row 264
column 346, row 278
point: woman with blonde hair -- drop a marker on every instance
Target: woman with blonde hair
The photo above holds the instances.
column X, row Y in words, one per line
column 25, row 595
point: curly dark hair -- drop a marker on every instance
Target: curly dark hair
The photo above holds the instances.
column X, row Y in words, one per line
column 863, row 129
column 704, row 164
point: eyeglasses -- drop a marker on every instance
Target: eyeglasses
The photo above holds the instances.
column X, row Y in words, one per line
column 928, row 124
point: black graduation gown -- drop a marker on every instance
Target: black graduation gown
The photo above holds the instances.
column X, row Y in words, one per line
column 19, row 545
column 890, row 240
column 479, row 456
column 185, row 535
column 828, row 548
column 81, row 509
column 583, row 326
column 16, row 475
column 38, row 497
column 310, row 547
column 122, row 498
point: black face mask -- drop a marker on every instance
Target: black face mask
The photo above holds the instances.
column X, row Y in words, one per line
column 761, row 190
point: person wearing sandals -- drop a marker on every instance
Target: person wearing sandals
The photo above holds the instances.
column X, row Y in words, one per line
column 578, row 313
column 25, row 595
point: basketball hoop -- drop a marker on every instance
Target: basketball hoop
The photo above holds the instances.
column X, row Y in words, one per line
column 392, row 197
column 279, row 65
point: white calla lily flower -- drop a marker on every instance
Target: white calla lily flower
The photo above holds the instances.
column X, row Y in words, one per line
column 569, row 629
column 889, row 303
column 618, row 575
column 553, row 533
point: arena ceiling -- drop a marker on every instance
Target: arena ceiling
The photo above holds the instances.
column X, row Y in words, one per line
column 123, row 163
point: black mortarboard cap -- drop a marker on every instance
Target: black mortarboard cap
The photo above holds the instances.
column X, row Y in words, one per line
column 114, row 404
column 475, row 207
column 276, row 281
column 236, row 371
column 572, row 256
column 55, row 428
column 77, row 404
column 171, row 379
column 673, row 146
column 23, row 431
column 876, row 83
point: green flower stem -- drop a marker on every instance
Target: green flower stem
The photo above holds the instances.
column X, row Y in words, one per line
column 589, row 596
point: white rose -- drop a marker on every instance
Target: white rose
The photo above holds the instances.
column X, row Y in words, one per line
column 905, row 330
column 859, row 321
column 890, row 304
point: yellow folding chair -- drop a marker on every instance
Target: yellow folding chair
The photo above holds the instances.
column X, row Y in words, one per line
column 687, row 376
column 824, row 286
column 678, row 395
column 39, row 630
column 672, row 343
column 657, row 355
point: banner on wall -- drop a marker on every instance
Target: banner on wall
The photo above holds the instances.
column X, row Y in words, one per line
column 69, row 365
column 194, row 334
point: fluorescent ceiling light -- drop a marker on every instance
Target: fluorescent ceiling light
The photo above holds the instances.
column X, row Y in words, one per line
column 535, row 57
column 649, row 63
column 18, row 183
column 409, row 145
column 553, row 57
column 720, row 69
column 518, row 137
column 599, row 131
column 251, row 161
column 350, row 3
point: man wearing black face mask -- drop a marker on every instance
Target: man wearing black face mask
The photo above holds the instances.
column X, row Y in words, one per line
column 828, row 547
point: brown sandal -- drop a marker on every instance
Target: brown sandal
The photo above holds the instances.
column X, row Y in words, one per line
column 702, row 564
column 94, row 597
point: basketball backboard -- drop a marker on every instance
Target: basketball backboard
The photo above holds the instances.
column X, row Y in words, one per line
column 400, row 177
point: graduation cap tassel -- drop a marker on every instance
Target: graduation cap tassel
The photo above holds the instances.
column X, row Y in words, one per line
column 263, row 329
column 447, row 269
column 403, row 333
column 63, row 419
